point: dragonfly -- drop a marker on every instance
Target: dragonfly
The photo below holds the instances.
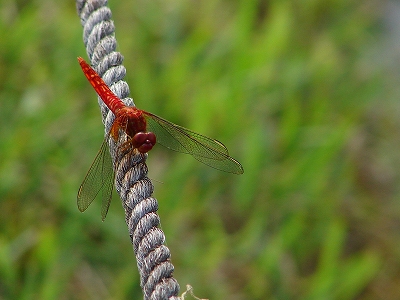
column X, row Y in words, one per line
column 143, row 130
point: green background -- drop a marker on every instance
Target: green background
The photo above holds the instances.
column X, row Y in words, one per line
column 304, row 93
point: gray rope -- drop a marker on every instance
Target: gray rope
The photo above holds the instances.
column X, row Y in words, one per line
column 131, row 181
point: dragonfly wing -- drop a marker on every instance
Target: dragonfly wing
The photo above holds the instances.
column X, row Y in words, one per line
column 100, row 177
column 108, row 184
column 208, row 151
column 228, row 164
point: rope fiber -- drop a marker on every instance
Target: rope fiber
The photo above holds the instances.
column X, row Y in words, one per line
column 131, row 181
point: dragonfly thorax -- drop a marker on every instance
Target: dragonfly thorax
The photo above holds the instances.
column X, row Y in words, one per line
column 130, row 120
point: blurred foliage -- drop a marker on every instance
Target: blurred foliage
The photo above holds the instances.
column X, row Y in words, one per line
column 305, row 94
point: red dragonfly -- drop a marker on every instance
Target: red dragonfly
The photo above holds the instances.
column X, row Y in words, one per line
column 142, row 129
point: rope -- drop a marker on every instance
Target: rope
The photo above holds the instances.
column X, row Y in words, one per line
column 131, row 181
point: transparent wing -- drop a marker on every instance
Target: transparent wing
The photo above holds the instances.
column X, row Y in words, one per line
column 99, row 178
column 208, row 151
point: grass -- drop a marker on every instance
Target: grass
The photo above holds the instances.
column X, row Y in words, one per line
column 301, row 92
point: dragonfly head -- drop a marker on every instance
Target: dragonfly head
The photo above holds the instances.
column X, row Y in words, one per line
column 144, row 141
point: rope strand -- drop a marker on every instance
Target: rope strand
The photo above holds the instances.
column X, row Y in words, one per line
column 131, row 181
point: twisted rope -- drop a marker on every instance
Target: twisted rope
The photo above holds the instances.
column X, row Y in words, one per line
column 131, row 181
